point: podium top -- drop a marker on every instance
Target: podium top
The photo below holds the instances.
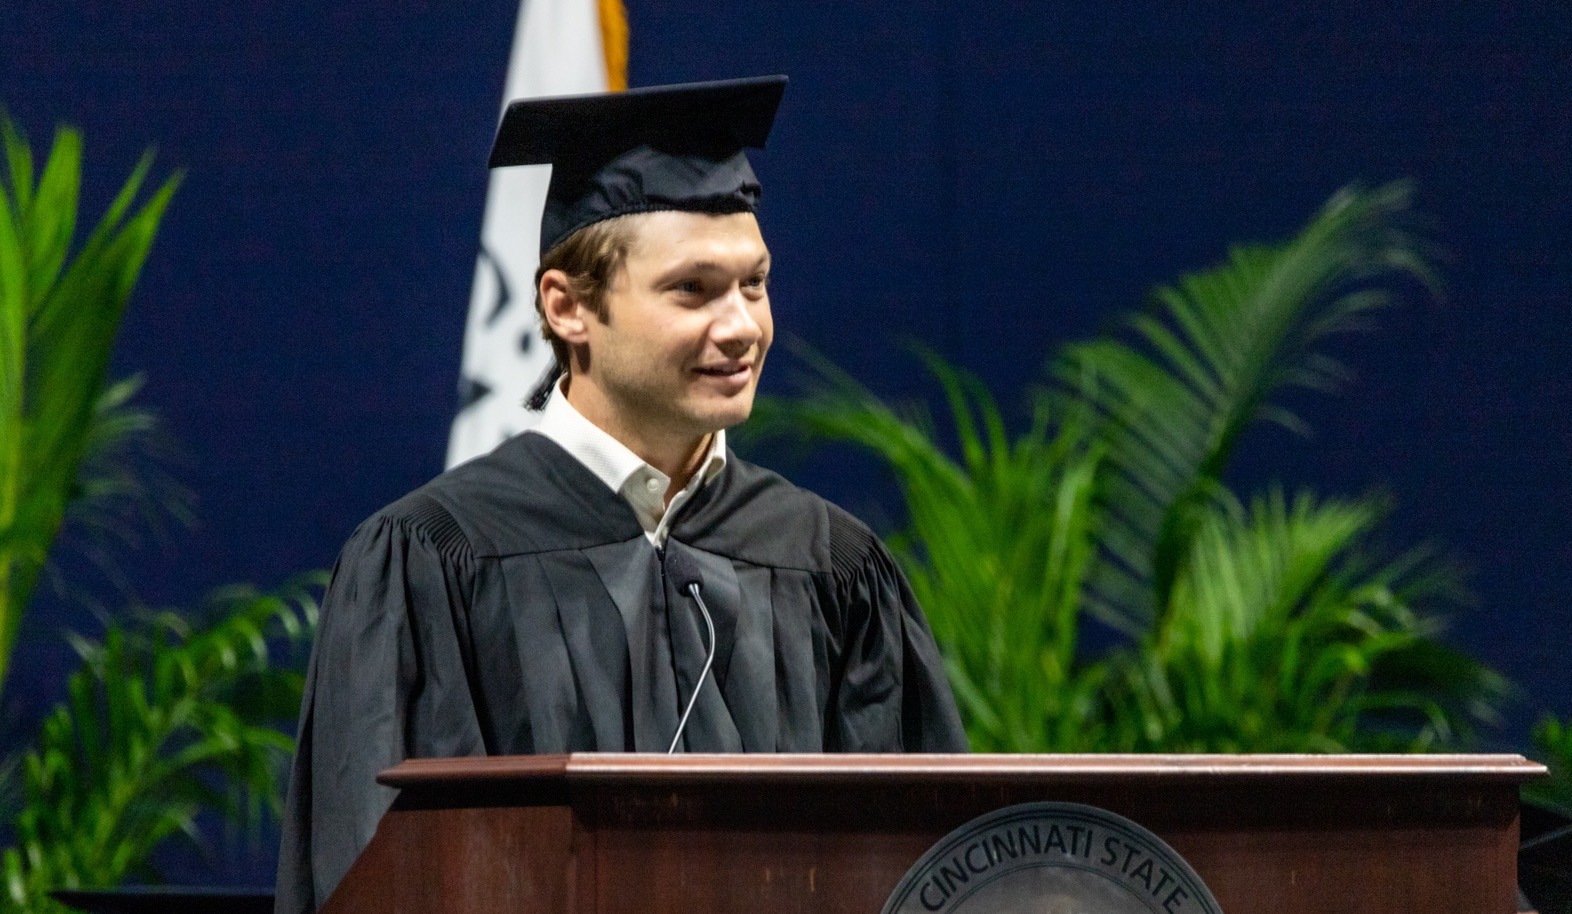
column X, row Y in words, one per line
column 589, row 768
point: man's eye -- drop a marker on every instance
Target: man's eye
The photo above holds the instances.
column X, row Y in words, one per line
column 689, row 287
column 758, row 282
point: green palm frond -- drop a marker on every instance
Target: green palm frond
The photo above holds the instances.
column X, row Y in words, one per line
column 58, row 318
column 1282, row 635
column 166, row 718
column 1553, row 745
column 996, row 548
column 1206, row 364
column 123, row 490
column 1267, row 627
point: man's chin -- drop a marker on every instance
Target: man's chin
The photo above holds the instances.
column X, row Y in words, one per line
column 712, row 417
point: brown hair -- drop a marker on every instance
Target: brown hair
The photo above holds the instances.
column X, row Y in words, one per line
column 591, row 258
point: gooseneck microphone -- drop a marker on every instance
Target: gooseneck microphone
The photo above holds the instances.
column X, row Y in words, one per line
column 685, row 571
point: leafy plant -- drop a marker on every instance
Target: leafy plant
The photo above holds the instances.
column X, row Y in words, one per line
column 1281, row 635
column 164, row 719
column 1206, row 364
column 1270, row 627
column 1553, row 740
column 998, row 549
column 58, row 318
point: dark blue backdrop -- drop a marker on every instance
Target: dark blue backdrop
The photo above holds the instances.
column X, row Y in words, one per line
column 992, row 179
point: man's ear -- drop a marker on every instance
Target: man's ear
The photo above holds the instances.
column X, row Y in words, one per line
column 562, row 311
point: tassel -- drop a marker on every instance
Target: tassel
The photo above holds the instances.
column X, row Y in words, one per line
column 543, row 388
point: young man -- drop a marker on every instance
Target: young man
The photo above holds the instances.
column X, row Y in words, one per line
column 615, row 579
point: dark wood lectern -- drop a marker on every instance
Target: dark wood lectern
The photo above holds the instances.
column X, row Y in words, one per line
column 834, row 833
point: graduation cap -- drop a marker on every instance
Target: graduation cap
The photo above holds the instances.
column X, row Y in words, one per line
column 657, row 148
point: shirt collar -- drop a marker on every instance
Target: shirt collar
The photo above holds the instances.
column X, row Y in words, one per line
column 609, row 459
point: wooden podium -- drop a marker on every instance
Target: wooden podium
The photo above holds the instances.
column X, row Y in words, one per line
column 763, row 834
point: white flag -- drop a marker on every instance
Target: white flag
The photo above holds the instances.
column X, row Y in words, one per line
column 558, row 49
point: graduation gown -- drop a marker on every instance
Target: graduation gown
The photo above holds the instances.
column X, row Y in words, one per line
column 514, row 605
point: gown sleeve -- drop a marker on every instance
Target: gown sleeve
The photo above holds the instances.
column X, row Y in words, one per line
column 386, row 682
column 892, row 694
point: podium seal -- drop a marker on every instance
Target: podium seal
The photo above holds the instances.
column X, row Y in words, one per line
column 1051, row 858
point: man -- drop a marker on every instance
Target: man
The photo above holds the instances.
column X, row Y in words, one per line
column 615, row 580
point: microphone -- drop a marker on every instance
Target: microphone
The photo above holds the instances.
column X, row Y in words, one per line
column 685, row 570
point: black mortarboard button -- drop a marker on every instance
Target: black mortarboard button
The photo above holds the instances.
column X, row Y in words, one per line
column 656, row 148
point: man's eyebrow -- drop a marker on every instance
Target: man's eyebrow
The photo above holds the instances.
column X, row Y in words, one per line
column 710, row 266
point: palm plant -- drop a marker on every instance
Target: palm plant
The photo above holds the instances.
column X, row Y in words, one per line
column 58, row 318
column 1553, row 740
column 1209, row 361
column 998, row 549
column 1271, row 627
column 164, row 719
column 1282, row 635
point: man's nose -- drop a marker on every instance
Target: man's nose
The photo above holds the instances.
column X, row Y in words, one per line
column 735, row 329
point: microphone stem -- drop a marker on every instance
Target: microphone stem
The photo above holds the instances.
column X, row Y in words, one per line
column 709, row 626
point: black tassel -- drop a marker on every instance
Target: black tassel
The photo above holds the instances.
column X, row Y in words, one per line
column 542, row 393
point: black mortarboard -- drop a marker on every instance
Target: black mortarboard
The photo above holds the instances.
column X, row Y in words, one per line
column 656, row 148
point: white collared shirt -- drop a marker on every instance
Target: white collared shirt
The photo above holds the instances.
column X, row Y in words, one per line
column 623, row 471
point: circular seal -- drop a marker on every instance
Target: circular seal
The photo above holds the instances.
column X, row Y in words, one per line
column 1051, row 858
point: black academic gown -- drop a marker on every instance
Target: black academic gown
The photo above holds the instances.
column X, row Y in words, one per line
column 514, row 605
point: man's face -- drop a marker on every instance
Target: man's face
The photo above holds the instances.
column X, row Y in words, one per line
column 687, row 325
